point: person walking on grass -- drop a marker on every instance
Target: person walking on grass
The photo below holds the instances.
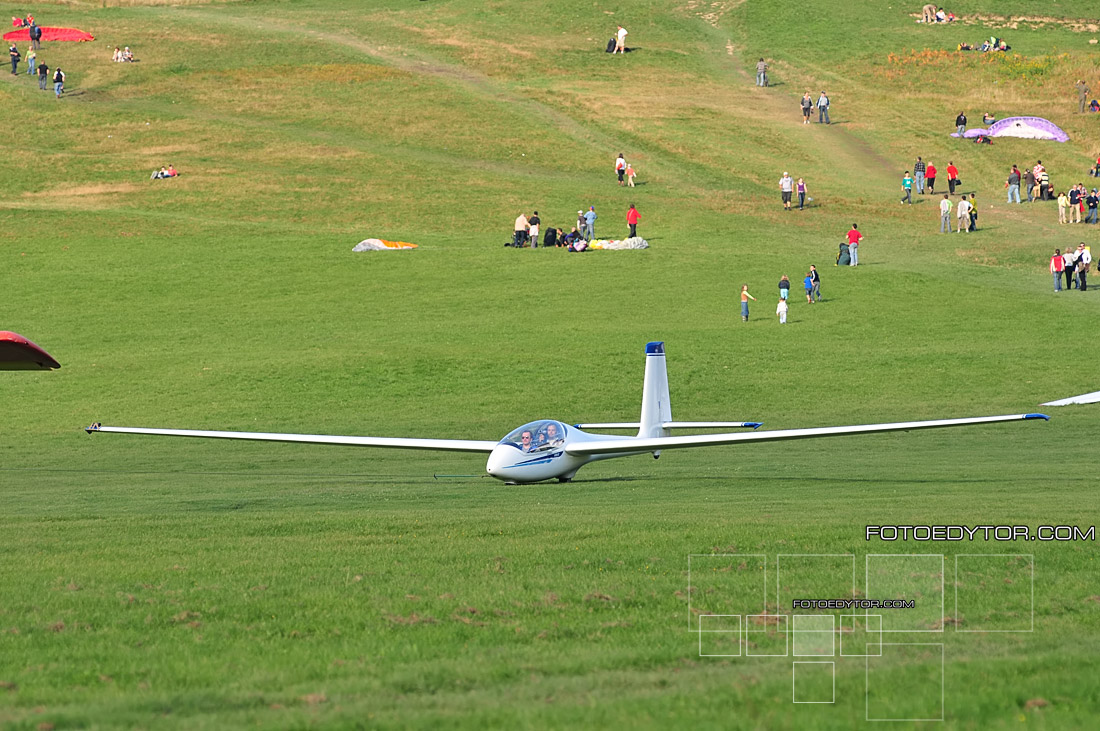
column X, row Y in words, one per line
column 817, row 283
column 1057, row 266
column 1091, row 201
column 761, row 73
column 907, row 186
column 945, row 214
column 807, row 107
column 632, row 220
column 31, row 56
column 823, row 109
column 784, row 287
column 1013, row 184
column 855, row 238
column 960, row 123
column 630, row 175
column 13, row 52
column 931, row 178
column 962, row 213
column 786, row 187
column 620, row 168
column 800, row 188
column 58, row 82
column 952, row 177
column 1082, row 95
column 808, row 285
column 781, row 310
column 43, row 76
column 1063, row 205
column 745, row 297
column 918, row 175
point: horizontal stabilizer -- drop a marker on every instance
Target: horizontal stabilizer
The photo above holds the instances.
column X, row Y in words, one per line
column 442, row 445
column 710, row 440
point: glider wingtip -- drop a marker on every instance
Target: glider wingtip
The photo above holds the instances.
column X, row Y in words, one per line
column 94, row 426
column 754, row 424
column 1028, row 417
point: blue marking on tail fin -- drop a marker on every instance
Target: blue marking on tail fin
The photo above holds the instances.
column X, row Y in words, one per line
column 655, row 348
column 1037, row 416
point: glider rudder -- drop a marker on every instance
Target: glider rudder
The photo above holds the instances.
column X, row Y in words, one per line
column 656, row 410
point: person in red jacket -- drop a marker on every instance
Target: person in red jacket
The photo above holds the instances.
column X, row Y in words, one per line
column 632, row 220
column 952, row 177
column 1057, row 266
column 930, row 177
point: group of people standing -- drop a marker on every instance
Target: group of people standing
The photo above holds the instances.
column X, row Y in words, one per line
column 966, row 214
column 34, row 67
column 527, row 228
column 1073, row 203
column 811, row 283
column 1036, row 181
column 1074, row 265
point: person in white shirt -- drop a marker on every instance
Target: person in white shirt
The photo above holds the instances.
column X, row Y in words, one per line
column 962, row 212
column 781, row 310
column 786, row 187
column 945, row 214
column 1084, row 260
column 620, row 40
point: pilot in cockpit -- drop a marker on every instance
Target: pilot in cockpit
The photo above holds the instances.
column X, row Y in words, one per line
column 552, row 435
column 525, row 442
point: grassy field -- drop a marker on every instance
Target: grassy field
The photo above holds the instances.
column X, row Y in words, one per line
column 177, row 584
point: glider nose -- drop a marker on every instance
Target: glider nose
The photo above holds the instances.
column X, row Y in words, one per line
column 498, row 460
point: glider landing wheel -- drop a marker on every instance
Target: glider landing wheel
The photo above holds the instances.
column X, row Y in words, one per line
column 565, row 479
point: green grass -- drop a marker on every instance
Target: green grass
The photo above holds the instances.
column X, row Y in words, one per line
column 205, row 585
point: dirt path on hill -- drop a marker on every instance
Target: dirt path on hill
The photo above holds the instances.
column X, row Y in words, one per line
column 782, row 109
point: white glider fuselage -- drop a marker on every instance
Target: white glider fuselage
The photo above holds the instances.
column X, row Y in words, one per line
column 547, row 460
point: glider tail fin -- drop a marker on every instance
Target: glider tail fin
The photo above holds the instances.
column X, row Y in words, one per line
column 656, row 410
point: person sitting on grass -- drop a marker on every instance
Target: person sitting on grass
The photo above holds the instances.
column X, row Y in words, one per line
column 988, row 118
column 127, row 55
column 117, row 55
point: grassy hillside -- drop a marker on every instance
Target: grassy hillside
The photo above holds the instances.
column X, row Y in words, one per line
column 185, row 584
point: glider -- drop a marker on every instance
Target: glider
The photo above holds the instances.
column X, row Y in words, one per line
column 549, row 449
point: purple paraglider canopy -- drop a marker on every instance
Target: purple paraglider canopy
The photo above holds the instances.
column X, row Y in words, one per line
column 1031, row 128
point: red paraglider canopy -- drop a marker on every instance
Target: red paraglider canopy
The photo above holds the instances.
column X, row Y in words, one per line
column 50, row 34
column 19, row 354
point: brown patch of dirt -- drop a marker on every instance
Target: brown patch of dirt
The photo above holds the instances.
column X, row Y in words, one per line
column 186, row 616
column 328, row 72
column 77, row 191
column 597, row 595
column 474, row 47
column 412, row 619
column 711, row 12
column 314, row 699
column 1036, row 703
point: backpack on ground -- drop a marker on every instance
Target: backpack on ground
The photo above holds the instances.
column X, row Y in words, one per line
column 611, row 46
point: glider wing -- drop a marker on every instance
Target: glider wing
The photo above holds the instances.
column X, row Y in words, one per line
column 653, row 444
column 442, row 445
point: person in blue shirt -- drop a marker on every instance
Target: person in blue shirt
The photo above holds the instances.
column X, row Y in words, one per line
column 808, row 285
column 589, row 221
